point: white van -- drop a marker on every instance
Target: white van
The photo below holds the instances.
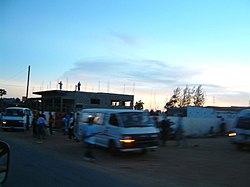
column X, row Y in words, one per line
column 240, row 132
column 120, row 130
column 16, row 118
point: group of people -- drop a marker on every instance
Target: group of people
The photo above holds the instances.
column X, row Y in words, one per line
column 40, row 125
column 68, row 125
column 166, row 132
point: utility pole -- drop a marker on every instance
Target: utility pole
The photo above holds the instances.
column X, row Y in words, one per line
column 28, row 82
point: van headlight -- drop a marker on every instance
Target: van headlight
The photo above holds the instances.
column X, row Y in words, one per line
column 232, row 134
column 127, row 139
column 4, row 122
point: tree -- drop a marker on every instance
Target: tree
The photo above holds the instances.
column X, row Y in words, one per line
column 139, row 105
column 186, row 97
column 199, row 96
column 2, row 92
column 174, row 100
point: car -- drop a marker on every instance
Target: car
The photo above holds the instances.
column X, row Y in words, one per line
column 4, row 161
column 239, row 134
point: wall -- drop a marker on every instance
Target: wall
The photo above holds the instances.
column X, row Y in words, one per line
column 197, row 127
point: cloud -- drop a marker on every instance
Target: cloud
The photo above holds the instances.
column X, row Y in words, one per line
column 148, row 73
column 127, row 39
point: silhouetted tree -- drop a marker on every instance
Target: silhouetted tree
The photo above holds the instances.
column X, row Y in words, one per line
column 199, row 96
column 2, row 92
column 186, row 97
column 139, row 105
column 174, row 100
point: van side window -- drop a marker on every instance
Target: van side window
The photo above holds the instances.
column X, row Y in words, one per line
column 99, row 117
column 244, row 123
column 113, row 120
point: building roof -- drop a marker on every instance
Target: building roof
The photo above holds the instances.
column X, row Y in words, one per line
column 64, row 92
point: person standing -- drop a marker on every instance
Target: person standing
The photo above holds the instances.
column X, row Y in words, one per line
column 71, row 126
column 180, row 133
column 60, row 85
column 89, row 140
column 51, row 123
column 34, row 124
column 65, row 124
column 79, row 86
column 41, row 122
column 222, row 127
column 164, row 131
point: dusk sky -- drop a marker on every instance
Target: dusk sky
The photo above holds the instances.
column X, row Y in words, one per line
column 143, row 47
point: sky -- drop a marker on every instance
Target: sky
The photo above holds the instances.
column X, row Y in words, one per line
column 146, row 48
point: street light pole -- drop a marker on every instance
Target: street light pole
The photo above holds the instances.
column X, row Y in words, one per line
column 28, row 82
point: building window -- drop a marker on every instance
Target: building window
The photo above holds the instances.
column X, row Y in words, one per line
column 95, row 101
column 79, row 106
column 115, row 103
column 126, row 103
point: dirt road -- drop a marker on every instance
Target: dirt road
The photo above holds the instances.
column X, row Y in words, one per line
column 207, row 162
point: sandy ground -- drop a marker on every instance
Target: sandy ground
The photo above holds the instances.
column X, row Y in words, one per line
column 205, row 162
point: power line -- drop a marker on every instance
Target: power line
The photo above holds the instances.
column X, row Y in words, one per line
column 17, row 74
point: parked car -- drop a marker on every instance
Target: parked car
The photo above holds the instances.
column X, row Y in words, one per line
column 240, row 132
column 16, row 118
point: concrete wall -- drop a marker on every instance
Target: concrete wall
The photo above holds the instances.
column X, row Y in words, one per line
column 197, row 127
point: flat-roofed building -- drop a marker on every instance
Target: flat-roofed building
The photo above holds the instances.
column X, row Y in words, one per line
column 72, row 101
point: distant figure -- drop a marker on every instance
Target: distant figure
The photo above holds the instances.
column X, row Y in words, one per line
column 164, row 131
column 65, row 122
column 78, row 86
column 41, row 122
column 89, row 140
column 60, row 85
column 222, row 127
column 71, row 126
column 211, row 132
column 34, row 125
column 51, row 123
column 180, row 133
column 27, row 122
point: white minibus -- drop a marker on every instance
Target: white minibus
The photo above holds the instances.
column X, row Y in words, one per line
column 120, row 130
column 16, row 118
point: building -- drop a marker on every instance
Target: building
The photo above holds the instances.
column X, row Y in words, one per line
column 72, row 101
column 198, row 120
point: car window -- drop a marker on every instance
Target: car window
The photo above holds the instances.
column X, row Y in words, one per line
column 243, row 123
column 113, row 120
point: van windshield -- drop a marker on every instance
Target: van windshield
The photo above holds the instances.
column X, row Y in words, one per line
column 135, row 119
column 13, row 112
column 244, row 123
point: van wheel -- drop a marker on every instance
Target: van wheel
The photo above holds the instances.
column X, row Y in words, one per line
column 113, row 149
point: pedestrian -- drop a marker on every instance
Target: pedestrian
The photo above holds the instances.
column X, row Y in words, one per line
column 164, row 131
column 211, row 132
column 41, row 123
column 180, row 133
column 89, row 140
column 222, row 127
column 51, row 123
column 34, row 124
column 65, row 125
column 27, row 122
column 71, row 126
